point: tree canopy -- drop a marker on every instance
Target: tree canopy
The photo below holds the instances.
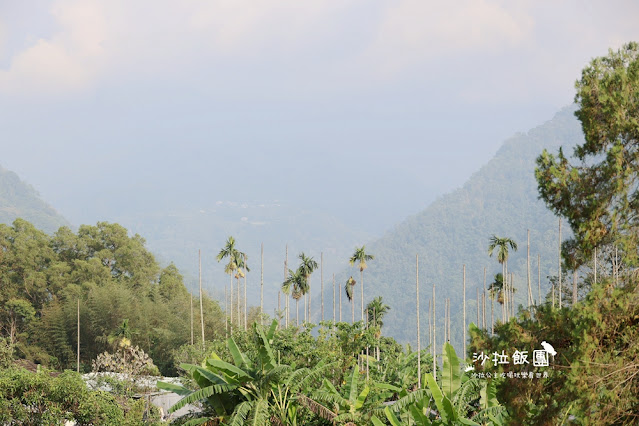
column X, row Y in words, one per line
column 598, row 192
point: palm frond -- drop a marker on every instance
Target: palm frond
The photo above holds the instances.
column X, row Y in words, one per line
column 240, row 414
column 201, row 394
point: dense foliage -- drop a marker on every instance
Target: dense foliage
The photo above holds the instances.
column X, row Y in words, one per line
column 28, row 398
column 115, row 280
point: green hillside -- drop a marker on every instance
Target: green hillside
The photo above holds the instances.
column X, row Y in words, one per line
column 501, row 199
column 19, row 199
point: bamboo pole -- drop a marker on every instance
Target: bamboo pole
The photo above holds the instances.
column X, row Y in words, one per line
column 199, row 253
column 419, row 348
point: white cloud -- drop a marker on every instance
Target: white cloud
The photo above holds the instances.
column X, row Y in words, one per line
column 414, row 31
column 65, row 63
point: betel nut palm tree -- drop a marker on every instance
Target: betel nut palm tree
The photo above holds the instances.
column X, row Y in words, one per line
column 307, row 266
column 361, row 257
column 229, row 251
column 296, row 285
column 502, row 244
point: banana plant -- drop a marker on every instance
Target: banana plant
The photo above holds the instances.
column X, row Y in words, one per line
column 450, row 404
column 352, row 405
column 236, row 392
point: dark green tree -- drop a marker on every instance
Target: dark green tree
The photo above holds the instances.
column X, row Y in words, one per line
column 598, row 191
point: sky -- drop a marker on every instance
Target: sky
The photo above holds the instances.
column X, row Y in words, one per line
column 367, row 107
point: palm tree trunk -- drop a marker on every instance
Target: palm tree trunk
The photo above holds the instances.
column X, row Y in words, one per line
column 333, row 297
column 483, row 304
column 503, row 292
column 434, row 336
column 478, row 306
column 245, row 302
column 297, row 309
column 419, row 348
column 340, row 302
column 430, row 331
column 225, row 307
column 353, row 309
column 262, row 283
column 322, row 282
column 539, row 278
column 78, row 362
column 232, row 306
column 528, row 271
column 464, row 315
column 492, row 317
column 287, row 298
column 199, row 253
column 362, row 277
column 239, row 304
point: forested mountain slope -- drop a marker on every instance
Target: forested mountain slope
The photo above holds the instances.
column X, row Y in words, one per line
column 500, row 199
column 19, row 199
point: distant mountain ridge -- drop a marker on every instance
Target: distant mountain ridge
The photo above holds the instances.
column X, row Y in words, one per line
column 19, row 199
column 500, row 199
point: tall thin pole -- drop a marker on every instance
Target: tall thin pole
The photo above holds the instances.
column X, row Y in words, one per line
column 483, row 308
column 340, row 302
column 245, row 302
column 333, row 297
column 539, row 278
column 430, row 331
column 484, row 301
column 262, row 284
column 419, row 347
column 226, row 317
column 559, row 261
column 322, row 281
column 78, row 362
column 464, row 319
column 478, row 306
column 199, row 254
column 192, row 336
column 528, row 271
column 434, row 336
column 286, row 303
column 446, row 316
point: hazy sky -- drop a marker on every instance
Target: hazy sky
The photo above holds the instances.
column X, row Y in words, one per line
column 103, row 99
